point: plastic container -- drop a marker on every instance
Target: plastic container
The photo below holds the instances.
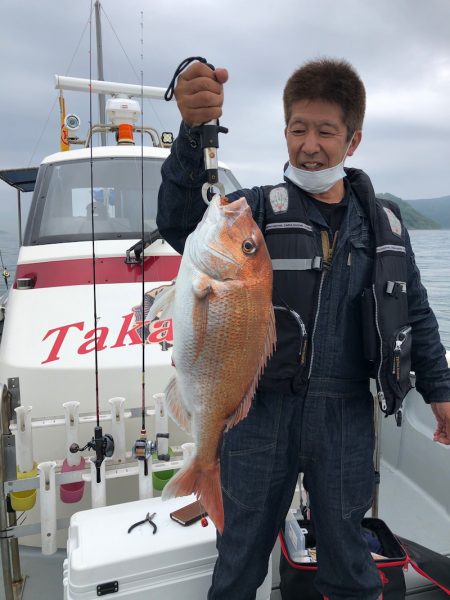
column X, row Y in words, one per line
column 72, row 492
column 26, row 499
column 294, row 536
column 176, row 562
column 160, row 478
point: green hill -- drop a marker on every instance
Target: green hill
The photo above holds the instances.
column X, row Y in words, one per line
column 437, row 209
column 412, row 218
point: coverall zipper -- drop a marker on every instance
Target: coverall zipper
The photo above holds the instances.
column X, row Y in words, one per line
column 327, row 258
column 380, row 394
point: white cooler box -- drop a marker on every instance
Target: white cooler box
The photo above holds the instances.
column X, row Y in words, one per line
column 174, row 564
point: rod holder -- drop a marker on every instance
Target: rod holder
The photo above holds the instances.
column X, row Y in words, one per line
column 145, row 480
column 71, row 410
column 188, row 449
column 47, row 497
column 161, row 427
column 98, row 488
column 26, row 467
column 24, row 439
column 118, row 428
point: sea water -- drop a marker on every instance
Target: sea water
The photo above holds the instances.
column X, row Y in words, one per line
column 431, row 247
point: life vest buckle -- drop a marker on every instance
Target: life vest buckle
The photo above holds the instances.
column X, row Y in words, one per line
column 393, row 288
column 317, row 263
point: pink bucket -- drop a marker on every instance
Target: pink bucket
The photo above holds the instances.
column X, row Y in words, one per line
column 72, row 492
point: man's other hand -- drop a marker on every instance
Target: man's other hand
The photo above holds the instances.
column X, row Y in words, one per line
column 441, row 411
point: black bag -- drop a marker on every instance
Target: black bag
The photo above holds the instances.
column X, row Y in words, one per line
column 431, row 565
column 297, row 579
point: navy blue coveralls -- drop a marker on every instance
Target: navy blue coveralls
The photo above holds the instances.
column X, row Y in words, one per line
column 320, row 423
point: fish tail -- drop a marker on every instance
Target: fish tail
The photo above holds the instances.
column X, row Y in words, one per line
column 204, row 482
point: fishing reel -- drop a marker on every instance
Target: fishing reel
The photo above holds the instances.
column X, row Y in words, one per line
column 143, row 450
column 103, row 446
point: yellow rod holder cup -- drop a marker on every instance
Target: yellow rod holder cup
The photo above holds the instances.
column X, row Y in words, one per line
column 26, row 467
column 25, row 500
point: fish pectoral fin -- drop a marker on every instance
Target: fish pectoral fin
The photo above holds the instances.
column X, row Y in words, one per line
column 175, row 406
column 202, row 286
column 163, row 302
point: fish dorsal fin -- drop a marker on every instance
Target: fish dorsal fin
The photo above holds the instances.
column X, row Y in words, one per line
column 242, row 410
column 175, row 406
column 163, row 302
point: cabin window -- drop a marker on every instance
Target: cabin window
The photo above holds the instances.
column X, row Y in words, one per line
column 62, row 209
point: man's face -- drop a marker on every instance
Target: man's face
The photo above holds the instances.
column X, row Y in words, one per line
column 316, row 135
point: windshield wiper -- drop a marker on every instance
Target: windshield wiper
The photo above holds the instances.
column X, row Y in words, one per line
column 139, row 248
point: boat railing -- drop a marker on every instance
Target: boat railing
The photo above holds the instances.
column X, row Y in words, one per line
column 3, row 301
column 101, row 128
column 9, row 544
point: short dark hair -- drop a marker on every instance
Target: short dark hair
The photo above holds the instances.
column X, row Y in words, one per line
column 330, row 80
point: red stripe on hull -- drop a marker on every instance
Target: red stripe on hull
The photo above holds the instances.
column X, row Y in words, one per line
column 107, row 270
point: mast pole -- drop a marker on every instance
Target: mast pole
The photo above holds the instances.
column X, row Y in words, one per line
column 19, row 216
column 101, row 97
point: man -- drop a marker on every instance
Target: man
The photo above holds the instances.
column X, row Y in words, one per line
column 335, row 248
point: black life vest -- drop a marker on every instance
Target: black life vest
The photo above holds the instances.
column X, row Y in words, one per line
column 387, row 334
column 298, row 262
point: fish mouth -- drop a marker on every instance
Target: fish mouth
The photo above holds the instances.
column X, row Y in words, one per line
column 236, row 207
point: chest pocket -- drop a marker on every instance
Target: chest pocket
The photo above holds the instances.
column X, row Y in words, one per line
column 360, row 263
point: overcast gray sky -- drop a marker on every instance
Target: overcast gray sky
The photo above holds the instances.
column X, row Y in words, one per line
column 401, row 49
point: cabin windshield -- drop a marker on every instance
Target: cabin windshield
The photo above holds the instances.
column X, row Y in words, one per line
column 62, row 210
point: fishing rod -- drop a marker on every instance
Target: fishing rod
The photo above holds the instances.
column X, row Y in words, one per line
column 102, row 444
column 143, row 448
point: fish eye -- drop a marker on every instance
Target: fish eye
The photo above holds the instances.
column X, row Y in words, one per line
column 248, row 246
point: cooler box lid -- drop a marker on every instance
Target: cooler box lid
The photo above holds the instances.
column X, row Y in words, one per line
column 100, row 549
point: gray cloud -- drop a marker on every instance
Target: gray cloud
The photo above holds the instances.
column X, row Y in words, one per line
column 401, row 49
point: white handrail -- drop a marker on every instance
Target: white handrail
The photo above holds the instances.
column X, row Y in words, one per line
column 113, row 88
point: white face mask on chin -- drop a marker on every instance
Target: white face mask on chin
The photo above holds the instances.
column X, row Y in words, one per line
column 317, row 182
